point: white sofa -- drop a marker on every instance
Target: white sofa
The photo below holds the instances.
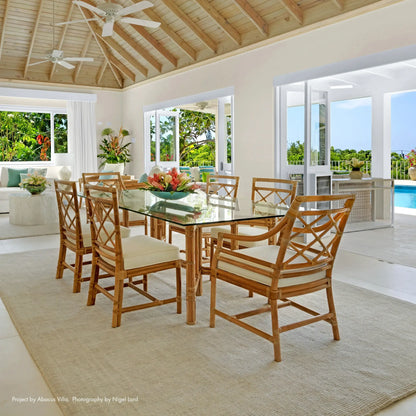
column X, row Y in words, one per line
column 53, row 172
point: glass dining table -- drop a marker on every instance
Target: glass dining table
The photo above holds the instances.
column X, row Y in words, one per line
column 195, row 212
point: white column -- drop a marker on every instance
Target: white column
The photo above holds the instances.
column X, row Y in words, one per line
column 381, row 136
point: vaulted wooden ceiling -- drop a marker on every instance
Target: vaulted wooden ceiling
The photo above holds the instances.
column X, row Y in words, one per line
column 191, row 31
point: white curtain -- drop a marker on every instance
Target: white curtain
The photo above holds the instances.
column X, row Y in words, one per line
column 82, row 137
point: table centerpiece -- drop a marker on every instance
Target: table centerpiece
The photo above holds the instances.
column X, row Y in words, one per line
column 34, row 183
column 171, row 185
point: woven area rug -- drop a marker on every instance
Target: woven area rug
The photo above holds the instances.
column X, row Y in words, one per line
column 8, row 230
column 155, row 364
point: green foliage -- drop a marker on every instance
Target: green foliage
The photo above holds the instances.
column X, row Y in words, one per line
column 112, row 147
column 18, row 136
column 61, row 133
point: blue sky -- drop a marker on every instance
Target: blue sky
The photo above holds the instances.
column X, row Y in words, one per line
column 351, row 123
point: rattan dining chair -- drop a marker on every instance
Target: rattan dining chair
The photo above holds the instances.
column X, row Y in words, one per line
column 222, row 185
column 74, row 234
column 264, row 192
column 121, row 182
column 301, row 262
column 125, row 259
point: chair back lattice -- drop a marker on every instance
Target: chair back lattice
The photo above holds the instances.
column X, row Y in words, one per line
column 104, row 217
column 315, row 236
column 222, row 185
column 274, row 191
column 68, row 211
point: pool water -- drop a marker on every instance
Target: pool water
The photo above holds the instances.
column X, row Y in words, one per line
column 405, row 196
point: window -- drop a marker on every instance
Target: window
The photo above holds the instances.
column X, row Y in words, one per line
column 32, row 136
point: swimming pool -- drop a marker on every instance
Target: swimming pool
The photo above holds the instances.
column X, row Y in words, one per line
column 405, row 196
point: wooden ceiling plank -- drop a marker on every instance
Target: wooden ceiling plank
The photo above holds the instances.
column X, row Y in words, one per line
column 139, row 49
column 88, row 15
column 3, row 29
column 221, row 21
column 32, row 42
column 172, row 34
column 119, row 49
column 101, row 72
column 83, row 53
column 156, row 44
column 339, row 3
column 61, row 40
column 191, row 25
column 258, row 21
column 293, row 8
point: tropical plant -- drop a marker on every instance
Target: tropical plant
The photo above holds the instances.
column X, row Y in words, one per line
column 113, row 148
column 172, row 181
column 411, row 157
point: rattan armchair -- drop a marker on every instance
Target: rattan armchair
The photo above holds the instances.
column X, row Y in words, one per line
column 125, row 259
column 301, row 262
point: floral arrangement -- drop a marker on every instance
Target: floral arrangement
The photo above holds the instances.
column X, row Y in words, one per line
column 411, row 157
column 172, row 181
column 356, row 164
column 34, row 183
column 112, row 147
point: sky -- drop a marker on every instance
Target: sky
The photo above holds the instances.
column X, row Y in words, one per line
column 351, row 123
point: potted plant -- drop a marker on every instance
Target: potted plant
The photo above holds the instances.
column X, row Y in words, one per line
column 113, row 149
column 411, row 157
column 34, row 183
column 356, row 168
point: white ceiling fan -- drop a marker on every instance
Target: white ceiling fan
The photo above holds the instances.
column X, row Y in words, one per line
column 113, row 12
column 57, row 57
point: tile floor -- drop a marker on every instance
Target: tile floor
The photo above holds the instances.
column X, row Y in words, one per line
column 20, row 378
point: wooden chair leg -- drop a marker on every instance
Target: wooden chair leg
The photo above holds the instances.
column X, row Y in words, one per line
column 145, row 226
column 213, row 302
column 170, row 236
column 178, row 290
column 92, row 292
column 145, row 282
column 77, row 274
column 331, row 305
column 275, row 330
column 118, row 302
column 61, row 260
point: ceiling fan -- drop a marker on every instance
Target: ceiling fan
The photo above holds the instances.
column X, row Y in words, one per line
column 57, row 57
column 113, row 12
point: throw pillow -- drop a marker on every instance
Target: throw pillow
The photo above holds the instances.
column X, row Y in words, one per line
column 14, row 176
column 38, row 171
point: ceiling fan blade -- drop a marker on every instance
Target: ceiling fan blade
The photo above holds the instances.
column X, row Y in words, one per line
column 135, row 8
column 65, row 64
column 40, row 62
column 75, row 21
column 80, row 59
column 89, row 7
column 140, row 22
column 108, row 28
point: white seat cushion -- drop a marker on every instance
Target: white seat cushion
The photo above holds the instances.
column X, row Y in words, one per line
column 86, row 233
column 267, row 253
column 245, row 230
column 142, row 250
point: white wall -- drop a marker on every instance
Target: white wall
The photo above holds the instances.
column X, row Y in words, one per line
column 252, row 73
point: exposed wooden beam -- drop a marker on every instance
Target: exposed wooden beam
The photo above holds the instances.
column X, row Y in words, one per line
column 139, row 49
column 191, row 25
column 339, row 3
column 172, row 34
column 123, row 68
column 61, row 40
column 83, row 53
column 32, row 42
column 156, row 44
column 220, row 20
column 293, row 8
column 87, row 15
column 101, row 72
column 120, row 50
column 258, row 21
column 3, row 29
